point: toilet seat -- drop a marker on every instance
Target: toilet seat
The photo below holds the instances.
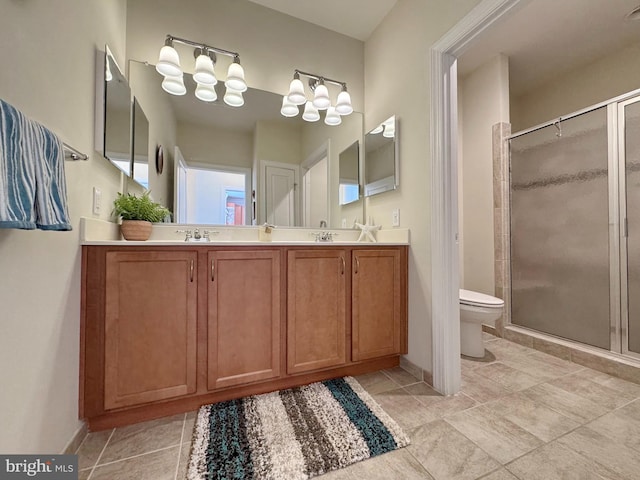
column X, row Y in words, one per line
column 477, row 299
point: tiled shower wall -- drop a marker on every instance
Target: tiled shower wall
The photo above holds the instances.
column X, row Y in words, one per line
column 501, row 133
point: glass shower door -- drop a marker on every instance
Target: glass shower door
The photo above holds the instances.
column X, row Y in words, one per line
column 629, row 150
column 560, row 265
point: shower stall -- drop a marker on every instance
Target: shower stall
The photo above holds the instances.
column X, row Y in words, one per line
column 575, row 226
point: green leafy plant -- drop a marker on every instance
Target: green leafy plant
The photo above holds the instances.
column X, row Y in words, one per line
column 133, row 207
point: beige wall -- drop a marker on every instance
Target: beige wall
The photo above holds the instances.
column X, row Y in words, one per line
column 484, row 100
column 200, row 144
column 397, row 83
column 40, row 290
column 610, row 76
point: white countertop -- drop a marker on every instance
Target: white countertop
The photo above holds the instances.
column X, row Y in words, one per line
column 100, row 232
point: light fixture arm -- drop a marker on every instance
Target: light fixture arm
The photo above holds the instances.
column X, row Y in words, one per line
column 318, row 78
column 236, row 56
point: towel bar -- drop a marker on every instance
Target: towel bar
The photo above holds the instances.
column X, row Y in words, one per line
column 73, row 154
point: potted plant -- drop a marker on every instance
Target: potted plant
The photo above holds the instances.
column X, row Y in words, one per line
column 138, row 213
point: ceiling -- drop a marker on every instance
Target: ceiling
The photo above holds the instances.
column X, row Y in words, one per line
column 542, row 38
column 354, row 18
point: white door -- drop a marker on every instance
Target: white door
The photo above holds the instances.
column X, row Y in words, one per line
column 180, row 188
column 280, row 183
column 315, row 195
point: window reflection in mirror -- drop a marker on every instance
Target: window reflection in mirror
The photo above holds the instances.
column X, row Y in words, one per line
column 349, row 171
column 140, row 145
column 250, row 137
column 381, row 158
column 211, row 194
column 117, row 115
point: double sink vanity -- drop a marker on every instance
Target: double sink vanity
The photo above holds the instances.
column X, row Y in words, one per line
column 169, row 325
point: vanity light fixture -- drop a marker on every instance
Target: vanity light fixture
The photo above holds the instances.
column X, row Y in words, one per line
column 321, row 100
column 288, row 109
column 204, row 75
column 332, row 117
column 174, row 85
column 387, row 128
column 310, row 113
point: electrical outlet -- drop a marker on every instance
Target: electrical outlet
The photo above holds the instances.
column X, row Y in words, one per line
column 97, row 201
column 344, row 223
column 395, row 217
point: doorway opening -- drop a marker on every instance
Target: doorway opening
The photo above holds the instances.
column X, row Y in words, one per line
column 212, row 194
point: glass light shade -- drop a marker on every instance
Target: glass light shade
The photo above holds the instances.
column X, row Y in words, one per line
column 389, row 131
column 332, row 117
column 310, row 113
column 169, row 62
column 377, row 130
column 204, row 74
column 206, row 93
column 288, row 109
column 235, row 78
column 343, row 105
column 174, row 85
column 233, row 98
column 296, row 92
column 321, row 99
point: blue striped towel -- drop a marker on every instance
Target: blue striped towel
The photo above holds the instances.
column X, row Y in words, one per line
column 33, row 191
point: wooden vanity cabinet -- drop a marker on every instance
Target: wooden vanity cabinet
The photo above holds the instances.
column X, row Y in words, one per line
column 244, row 316
column 166, row 329
column 150, row 326
column 316, row 309
column 378, row 305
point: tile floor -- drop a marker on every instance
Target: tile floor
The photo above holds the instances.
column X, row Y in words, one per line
column 521, row 414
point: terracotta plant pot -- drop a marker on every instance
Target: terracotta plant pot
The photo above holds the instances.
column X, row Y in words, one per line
column 136, row 229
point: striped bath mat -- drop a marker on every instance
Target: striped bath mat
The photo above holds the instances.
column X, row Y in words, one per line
column 291, row 434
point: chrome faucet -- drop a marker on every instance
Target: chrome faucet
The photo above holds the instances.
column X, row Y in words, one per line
column 196, row 236
column 187, row 234
column 323, row 236
column 323, row 224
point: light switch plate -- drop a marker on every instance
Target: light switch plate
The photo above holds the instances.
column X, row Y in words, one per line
column 395, row 217
column 97, row 201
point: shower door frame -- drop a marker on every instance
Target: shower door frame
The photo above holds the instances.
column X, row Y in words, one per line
column 624, row 284
column 616, row 181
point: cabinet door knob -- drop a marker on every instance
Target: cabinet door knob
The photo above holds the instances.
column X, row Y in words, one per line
column 213, row 270
column 343, row 265
column 191, row 271
column 357, row 265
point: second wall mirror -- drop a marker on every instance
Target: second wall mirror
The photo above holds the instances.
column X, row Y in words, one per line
column 381, row 158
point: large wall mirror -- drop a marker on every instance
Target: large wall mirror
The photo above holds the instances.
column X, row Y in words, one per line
column 381, row 158
column 214, row 151
column 116, row 109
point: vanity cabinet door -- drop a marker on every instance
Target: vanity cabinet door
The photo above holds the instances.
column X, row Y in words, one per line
column 244, row 317
column 316, row 306
column 377, row 306
column 150, row 326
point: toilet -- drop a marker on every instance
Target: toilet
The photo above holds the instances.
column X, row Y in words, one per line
column 475, row 309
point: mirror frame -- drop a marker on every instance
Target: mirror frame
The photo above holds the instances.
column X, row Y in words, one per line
column 103, row 60
column 355, row 144
column 384, row 185
column 137, row 113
